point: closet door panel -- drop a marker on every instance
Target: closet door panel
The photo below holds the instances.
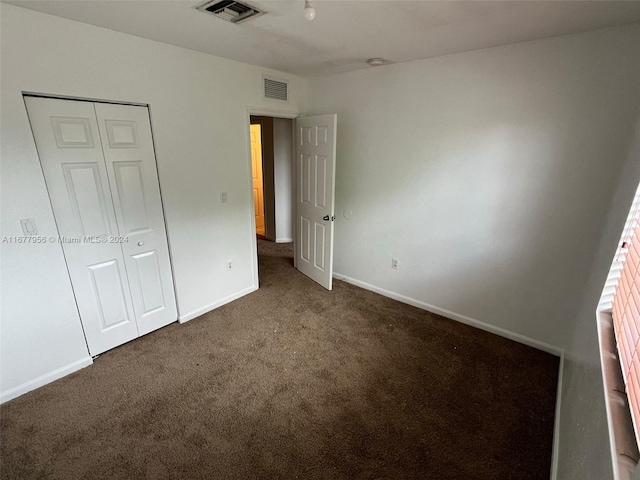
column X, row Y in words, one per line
column 70, row 151
column 131, row 167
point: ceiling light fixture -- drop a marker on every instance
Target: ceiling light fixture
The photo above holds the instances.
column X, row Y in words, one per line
column 309, row 11
column 376, row 62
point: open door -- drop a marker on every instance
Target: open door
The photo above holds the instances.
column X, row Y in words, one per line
column 315, row 196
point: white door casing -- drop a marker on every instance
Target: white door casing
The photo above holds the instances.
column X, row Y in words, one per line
column 108, row 284
column 315, row 196
column 131, row 166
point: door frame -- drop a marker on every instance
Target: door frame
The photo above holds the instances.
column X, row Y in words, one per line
column 26, row 93
column 250, row 110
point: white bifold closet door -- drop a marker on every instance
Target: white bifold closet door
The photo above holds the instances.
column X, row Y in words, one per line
column 99, row 165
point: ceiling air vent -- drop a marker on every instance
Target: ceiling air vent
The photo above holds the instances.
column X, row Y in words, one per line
column 276, row 89
column 231, row 11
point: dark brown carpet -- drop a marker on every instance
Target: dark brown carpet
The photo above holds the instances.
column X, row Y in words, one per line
column 294, row 382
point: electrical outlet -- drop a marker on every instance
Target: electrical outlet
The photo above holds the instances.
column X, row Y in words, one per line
column 395, row 263
column 229, row 265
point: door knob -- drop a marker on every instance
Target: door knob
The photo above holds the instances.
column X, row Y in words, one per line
column 326, row 218
column 140, row 243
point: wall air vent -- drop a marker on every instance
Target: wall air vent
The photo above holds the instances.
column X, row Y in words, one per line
column 231, row 11
column 276, row 89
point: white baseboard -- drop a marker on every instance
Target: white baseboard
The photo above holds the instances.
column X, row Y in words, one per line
column 213, row 306
column 556, row 423
column 72, row 367
column 284, row 240
column 454, row 316
column 44, row 379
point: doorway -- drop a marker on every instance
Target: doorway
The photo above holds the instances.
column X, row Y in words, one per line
column 310, row 179
column 272, row 176
column 272, row 173
column 257, row 176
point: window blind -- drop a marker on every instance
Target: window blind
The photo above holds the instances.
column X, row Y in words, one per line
column 622, row 293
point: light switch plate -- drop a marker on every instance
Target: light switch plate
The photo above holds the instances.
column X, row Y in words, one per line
column 223, row 197
column 29, row 227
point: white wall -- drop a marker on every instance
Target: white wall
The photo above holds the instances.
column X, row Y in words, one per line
column 200, row 125
column 283, row 178
column 488, row 174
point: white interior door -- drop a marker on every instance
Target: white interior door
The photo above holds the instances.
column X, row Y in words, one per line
column 99, row 166
column 131, row 166
column 315, row 196
column 68, row 142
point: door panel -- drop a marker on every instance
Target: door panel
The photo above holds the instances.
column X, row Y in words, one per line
column 315, row 167
column 305, row 181
column 257, row 207
column 72, row 132
column 68, row 142
column 305, row 243
column 122, row 134
column 321, row 181
column 256, row 170
column 148, row 268
column 131, row 167
column 87, row 198
column 130, row 188
column 319, row 246
column 109, row 293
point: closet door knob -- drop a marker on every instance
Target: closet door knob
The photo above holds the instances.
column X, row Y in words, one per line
column 140, row 243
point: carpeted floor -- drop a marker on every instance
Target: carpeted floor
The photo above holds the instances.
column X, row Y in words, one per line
column 294, row 382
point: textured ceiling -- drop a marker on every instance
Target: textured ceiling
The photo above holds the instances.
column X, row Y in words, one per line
column 344, row 33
